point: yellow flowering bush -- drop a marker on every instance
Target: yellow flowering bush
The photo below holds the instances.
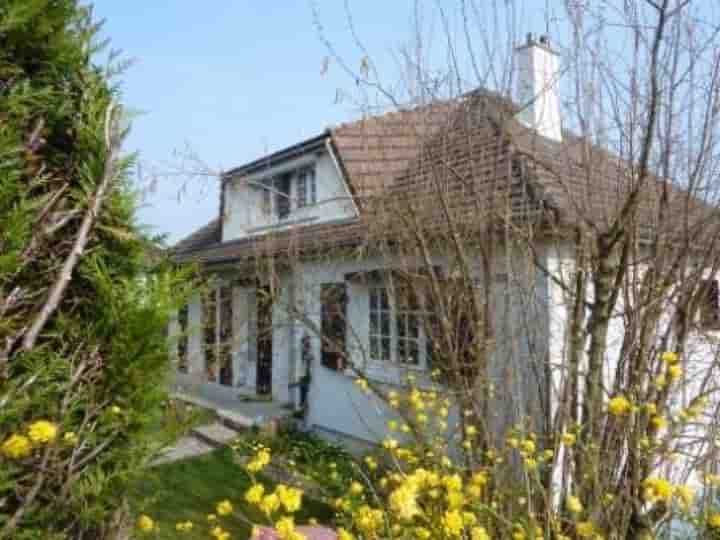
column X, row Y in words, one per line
column 430, row 479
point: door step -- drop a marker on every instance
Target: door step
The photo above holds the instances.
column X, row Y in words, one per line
column 217, row 434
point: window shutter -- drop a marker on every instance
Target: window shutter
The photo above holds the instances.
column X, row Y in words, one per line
column 710, row 304
column 182, row 346
column 333, row 325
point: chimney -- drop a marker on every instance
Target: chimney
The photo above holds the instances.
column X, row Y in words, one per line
column 538, row 87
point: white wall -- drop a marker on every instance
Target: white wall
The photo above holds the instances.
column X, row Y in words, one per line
column 244, row 214
column 698, row 361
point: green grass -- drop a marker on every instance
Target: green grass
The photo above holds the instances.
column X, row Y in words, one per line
column 190, row 489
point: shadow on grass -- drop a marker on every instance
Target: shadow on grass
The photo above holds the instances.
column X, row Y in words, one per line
column 190, row 489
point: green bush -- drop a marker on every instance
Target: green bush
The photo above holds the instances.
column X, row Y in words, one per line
column 83, row 353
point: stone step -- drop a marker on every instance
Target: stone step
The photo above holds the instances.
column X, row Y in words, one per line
column 216, row 434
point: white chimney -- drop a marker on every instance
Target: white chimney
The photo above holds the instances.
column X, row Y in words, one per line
column 538, row 87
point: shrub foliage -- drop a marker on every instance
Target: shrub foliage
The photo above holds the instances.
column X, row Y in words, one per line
column 84, row 296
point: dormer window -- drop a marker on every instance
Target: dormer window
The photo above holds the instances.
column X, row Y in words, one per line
column 288, row 191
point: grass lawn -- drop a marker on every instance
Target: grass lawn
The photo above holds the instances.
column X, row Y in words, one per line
column 190, row 489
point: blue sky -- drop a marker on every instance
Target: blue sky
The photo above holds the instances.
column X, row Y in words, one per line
column 230, row 80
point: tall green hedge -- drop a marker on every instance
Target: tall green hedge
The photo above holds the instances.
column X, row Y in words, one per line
column 98, row 366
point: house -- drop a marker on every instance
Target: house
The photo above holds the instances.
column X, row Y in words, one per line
column 307, row 238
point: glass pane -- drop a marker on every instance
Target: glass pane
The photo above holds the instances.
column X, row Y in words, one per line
column 386, row 349
column 413, row 353
column 373, row 299
column 401, row 325
column 413, row 326
column 384, row 299
column 374, row 326
column 385, row 323
column 374, row 348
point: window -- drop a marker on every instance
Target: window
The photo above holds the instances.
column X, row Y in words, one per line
column 277, row 192
column 396, row 332
column 217, row 326
column 306, row 187
column 710, row 304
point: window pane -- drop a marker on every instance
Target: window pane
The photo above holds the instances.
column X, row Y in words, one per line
column 386, row 348
column 374, row 326
column 384, row 299
column 374, row 348
column 385, row 323
column 373, row 299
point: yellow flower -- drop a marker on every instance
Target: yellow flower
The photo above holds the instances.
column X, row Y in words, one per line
column 211, row 517
column 531, row 464
column 455, row 499
column 471, row 431
column 574, row 505
column 528, row 446
column 115, row 410
column 479, row 533
column 584, row 529
column 469, row 519
column 16, row 447
column 658, row 422
column 145, row 523
column 674, row 372
column 255, row 493
column 669, row 358
column 452, row 523
column 258, row 463
column 224, row 508
column 452, row 482
column 270, row 503
column 714, row 520
column 220, row 534
column 661, row 382
column 390, row 444
column 342, row 534
column 619, row 406
column 285, row 527
column 362, row 384
column 657, row 489
column 42, row 432
column 568, row 439
column 403, row 501
column 70, row 438
column 185, row 526
column 290, row 498
column 686, row 496
column 422, row 533
column 356, row 488
column 369, row 520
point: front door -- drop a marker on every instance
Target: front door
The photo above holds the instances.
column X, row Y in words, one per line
column 264, row 341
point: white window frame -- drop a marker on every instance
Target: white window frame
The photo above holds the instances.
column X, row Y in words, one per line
column 298, row 198
column 306, row 186
column 384, row 347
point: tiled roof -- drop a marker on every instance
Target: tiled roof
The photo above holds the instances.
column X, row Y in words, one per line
column 205, row 236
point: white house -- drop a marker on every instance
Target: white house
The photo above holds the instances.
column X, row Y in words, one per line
column 297, row 220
